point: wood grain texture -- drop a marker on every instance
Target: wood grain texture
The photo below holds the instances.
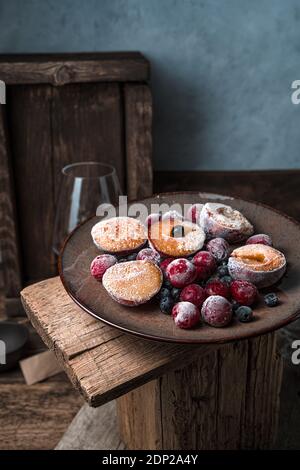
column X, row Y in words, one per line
column 9, row 247
column 272, row 187
column 226, row 400
column 30, row 131
column 138, row 134
column 60, row 69
column 101, row 362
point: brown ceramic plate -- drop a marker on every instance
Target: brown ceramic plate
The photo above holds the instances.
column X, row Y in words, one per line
column 147, row 320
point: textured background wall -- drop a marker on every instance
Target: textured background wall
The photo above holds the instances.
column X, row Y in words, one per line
column 222, row 69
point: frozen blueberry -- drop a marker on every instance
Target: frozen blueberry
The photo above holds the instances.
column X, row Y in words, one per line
column 226, row 279
column 175, row 292
column 222, row 271
column 132, row 257
column 166, row 304
column 235, row 305
column 167, row 284
column 164, row 292
column 122, row 260
column 271, row 300
column 244, row 314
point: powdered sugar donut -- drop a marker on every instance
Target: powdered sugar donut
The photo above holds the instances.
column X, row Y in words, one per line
column 133, row 282
column 119, row 235
column 219, row 220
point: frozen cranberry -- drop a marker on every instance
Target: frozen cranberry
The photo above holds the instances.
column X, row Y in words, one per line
column 194, row 294
column 186, row 315
column 148, row 254
column 260, row 238
column 100, row 264
column 165, row 263
column 219, row 248
column 216, row 311
column 152, row 218
column 193, row 213
column 205, row 265
column 243, row 292
column 181, row 272
column 217, row 287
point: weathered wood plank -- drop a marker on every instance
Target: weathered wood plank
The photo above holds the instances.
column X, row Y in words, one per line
column 102, row 362
column 30, row 131
column 138, row 134
column 60, row 69
column 9, row 249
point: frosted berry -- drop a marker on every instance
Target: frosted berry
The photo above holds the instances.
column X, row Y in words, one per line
column 222, row 271
column 260, row 238
column 216, row 311
column 166, row 304
column 193, row 293
column 100, row 264
column 163, row 265
column 243, row 292
column 219, row 248
column 271, row 300
column 205, row 265
column 244, row 314
column 186, row 315
column 193, row 213
column 217, row 287
column 181, row 272
column 175, row 292
column 148, row 254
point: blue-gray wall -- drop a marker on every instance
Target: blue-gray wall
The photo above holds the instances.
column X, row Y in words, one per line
column 221, row 69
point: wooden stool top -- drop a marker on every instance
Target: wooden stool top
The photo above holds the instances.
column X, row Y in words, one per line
column 101, row 362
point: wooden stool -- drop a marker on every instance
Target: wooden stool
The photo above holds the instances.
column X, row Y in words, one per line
column 168, row 396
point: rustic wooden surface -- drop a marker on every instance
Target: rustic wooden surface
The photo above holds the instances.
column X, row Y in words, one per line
column 228, row 399
column 9, row 249
column 272, row 187
column 102, row 362
column 60, row 69
column 138, row 128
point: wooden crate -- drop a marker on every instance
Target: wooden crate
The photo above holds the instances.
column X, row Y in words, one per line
column 62, row 109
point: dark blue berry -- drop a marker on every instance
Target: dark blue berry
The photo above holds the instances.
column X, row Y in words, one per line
column 222, row 271
column 122, row 260
column 167, row 284
column 226, row 279
column 271, row 300
column 132, row 257
column 235, row 305
column 166, row 304
column 175, row 292
column 177, row 231
column 164, row 292
column 244, row 314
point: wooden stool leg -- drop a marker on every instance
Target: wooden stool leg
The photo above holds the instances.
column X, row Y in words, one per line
column 228, row 399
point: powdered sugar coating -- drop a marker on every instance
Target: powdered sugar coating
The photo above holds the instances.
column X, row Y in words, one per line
column 133, row 282
column 186, row 315
column 181, row 272
column 119, row 234
column 216, row 311
column 220, row 220
column 148, row 254
column 100, row 264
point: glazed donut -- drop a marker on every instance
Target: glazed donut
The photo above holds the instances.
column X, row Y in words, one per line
column 119, row 235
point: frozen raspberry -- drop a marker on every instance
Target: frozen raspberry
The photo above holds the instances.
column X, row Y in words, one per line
column 193, row 213
column 219, row 248
column 260, row 238
column 152, row 218
column 216, row 311
column 194, row 294
column 181, row 272
column 100, row 264
column 148, row 254
column 172, row 215
column 217, row 287
column 243, row 292
column 186, row 315
column 163, row 265
column 205, row 265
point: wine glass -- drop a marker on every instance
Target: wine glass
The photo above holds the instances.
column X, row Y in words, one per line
column 84, row 186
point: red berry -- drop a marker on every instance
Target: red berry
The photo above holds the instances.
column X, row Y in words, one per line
column 100, row 264
column 193, row 213
column 217, row 287
column 165, row 263
column 219, row 248
column 181, row 272
column 148, row 254
column 205, row 265
column 260, row 238
column 185, row 315
column 216, row 311
column 194, row 294
column 152, row 218
column 243, row 292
